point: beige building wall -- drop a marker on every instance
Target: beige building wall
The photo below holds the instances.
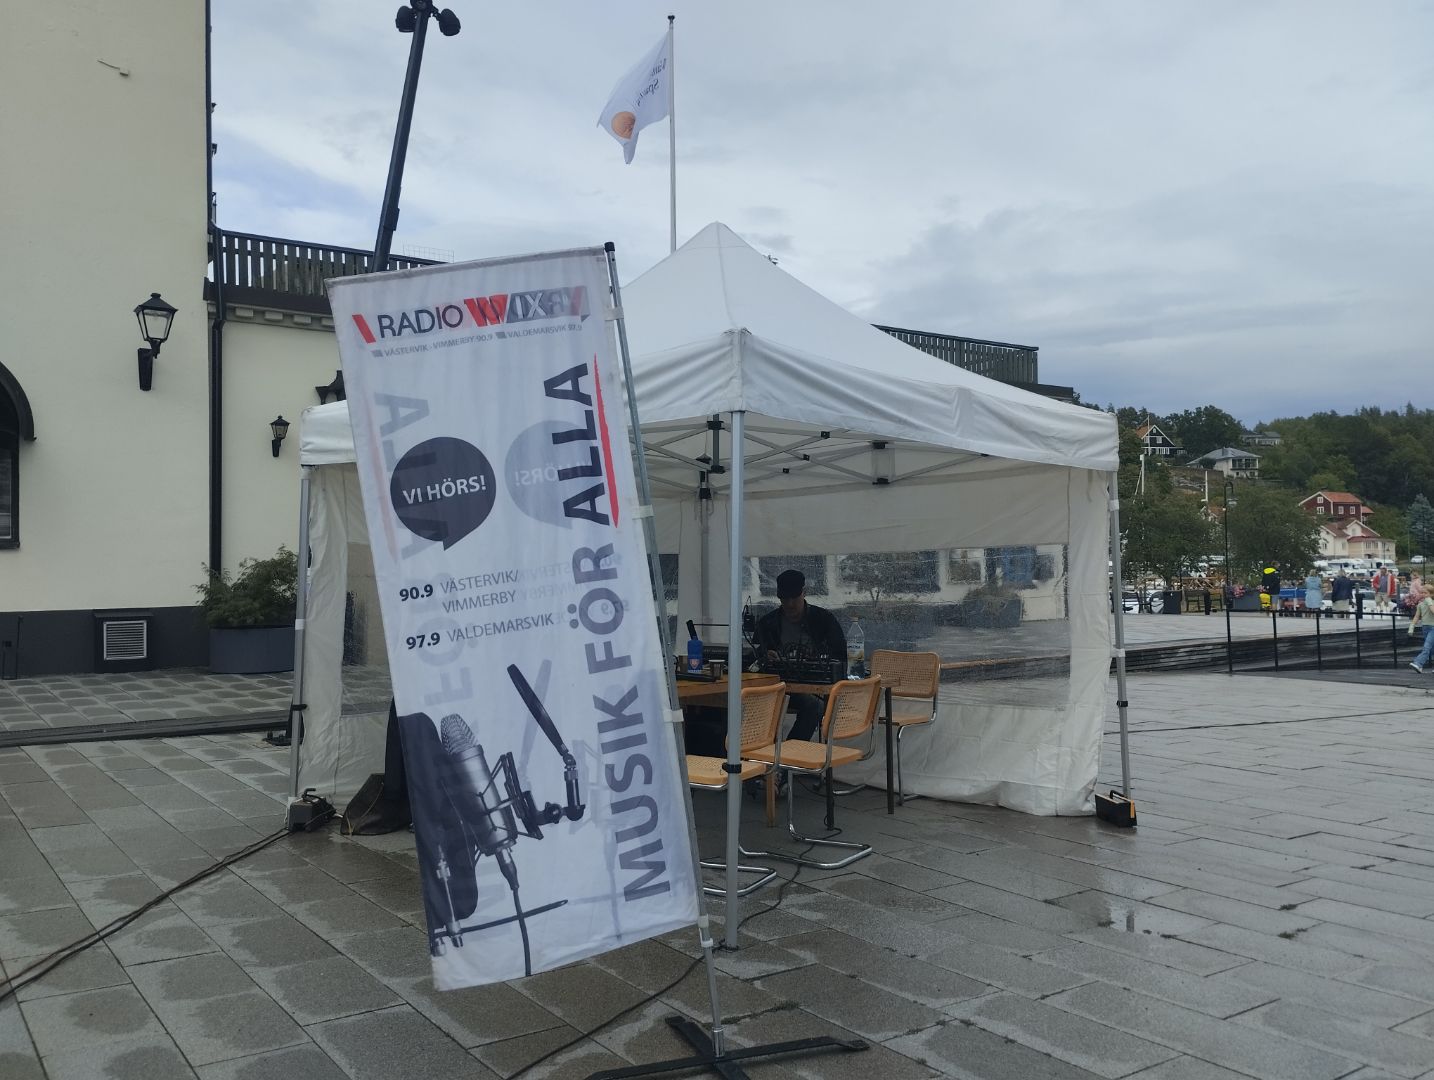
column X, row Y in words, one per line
column 103, row 175
column 271, row 366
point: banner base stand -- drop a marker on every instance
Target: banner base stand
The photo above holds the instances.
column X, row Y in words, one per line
column 725, row 1065
column 1116, row 809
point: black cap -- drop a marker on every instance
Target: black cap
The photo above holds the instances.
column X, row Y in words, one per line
column 790, row 583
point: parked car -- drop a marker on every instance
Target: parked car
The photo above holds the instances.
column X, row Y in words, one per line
column 1416, row 559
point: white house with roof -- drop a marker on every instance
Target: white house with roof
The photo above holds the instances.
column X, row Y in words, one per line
column 1345, row 531
column 1350, row 538
column 1231, row 462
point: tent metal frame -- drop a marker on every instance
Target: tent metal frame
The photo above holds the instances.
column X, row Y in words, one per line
column 712, row 1052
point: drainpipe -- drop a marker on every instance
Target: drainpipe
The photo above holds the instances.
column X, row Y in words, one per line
column 216, row 329
column 216, row 405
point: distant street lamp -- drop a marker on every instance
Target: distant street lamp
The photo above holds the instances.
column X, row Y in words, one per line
column 1229, row 588
column 412, row 19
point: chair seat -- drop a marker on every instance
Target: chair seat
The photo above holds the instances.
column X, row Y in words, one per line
column 798, row 754
column 708, row 771
column 911, row 720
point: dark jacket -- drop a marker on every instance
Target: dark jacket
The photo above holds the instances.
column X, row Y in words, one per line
column 1343, row 589
column 820, row 624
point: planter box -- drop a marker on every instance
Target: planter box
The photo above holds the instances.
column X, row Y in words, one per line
column 1004, row 616
column 900, row 634
column 251, row 650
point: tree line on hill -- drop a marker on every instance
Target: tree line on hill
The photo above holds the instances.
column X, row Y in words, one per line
column 1386, row 457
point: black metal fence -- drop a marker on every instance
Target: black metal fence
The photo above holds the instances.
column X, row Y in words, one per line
column 1378, row 637
column 292, row 268
column 994, row 359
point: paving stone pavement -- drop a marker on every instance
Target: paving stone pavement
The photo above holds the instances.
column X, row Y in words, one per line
column 1271, row 917
column 71, row 701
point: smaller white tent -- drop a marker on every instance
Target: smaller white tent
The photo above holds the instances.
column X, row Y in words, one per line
column 851, row 443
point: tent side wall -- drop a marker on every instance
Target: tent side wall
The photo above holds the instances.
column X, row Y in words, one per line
column 338, row 751
column 1032, row 753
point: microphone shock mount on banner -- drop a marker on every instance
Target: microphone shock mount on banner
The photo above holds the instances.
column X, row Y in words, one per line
column 492, row 810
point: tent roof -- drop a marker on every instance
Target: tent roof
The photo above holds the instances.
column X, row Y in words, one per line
column 716, row 326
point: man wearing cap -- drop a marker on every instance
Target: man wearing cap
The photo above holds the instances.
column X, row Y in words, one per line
column 798, row 628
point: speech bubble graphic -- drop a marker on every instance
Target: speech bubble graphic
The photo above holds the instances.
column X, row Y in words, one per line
column 530, row 471
column 443, row 489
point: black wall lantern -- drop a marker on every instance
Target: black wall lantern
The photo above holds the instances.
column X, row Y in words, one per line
column 333, row 392
column 155, row 318
column 279, row 429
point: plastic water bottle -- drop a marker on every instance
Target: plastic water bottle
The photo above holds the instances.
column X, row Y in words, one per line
column 856, row 649
column 694, row 650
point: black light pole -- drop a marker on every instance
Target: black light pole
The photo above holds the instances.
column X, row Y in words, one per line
column 412, row 19
column 1229, row 588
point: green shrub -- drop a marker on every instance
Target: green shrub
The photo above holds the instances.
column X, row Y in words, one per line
column 263, row 593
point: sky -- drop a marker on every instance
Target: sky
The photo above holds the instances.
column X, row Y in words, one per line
column 1180, row 203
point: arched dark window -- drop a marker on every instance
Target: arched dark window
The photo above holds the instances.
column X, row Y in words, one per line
column 16, row 423
column 9, row 473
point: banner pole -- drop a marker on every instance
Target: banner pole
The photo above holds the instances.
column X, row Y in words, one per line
column 672, row 134
column 734, row 685
column 1122, row 698
column 649, row 528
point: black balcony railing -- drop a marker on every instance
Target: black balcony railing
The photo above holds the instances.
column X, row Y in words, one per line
column 993, row 359
column 288, row 274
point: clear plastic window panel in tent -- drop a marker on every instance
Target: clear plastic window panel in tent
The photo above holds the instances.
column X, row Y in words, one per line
column 997, row 616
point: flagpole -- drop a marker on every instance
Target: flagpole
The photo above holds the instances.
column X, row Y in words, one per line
column 672, row 135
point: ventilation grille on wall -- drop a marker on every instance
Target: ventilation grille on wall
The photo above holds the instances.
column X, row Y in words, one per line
column 126, row 639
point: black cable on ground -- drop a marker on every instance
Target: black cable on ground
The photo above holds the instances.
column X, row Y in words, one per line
column 46, row 964
column 781, row 895
column 42, row 967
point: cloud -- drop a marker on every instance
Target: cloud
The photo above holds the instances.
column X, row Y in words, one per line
column 1178, row 203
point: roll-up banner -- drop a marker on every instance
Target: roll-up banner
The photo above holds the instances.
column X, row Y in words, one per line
column 491, row 436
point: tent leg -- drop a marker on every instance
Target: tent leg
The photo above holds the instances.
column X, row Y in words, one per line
column 1117, row 589
column 654, row 569
column 301, row 607
column 734, row 681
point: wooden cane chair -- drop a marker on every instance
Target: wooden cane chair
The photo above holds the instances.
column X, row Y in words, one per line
column 915, row 680
column 762, row 708
column 851, row 711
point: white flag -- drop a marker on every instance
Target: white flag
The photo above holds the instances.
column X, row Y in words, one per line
column 638, row 99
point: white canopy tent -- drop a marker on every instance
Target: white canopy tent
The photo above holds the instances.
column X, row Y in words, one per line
column 851, row 442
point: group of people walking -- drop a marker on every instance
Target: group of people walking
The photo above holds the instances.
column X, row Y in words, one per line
column 1391, row 591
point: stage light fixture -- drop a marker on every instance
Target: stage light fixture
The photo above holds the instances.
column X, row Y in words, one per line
column 334, row 391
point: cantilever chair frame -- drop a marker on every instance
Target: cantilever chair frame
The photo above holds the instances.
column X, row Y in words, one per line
column 911, row 682
column 760, row 732
column 832, row 728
